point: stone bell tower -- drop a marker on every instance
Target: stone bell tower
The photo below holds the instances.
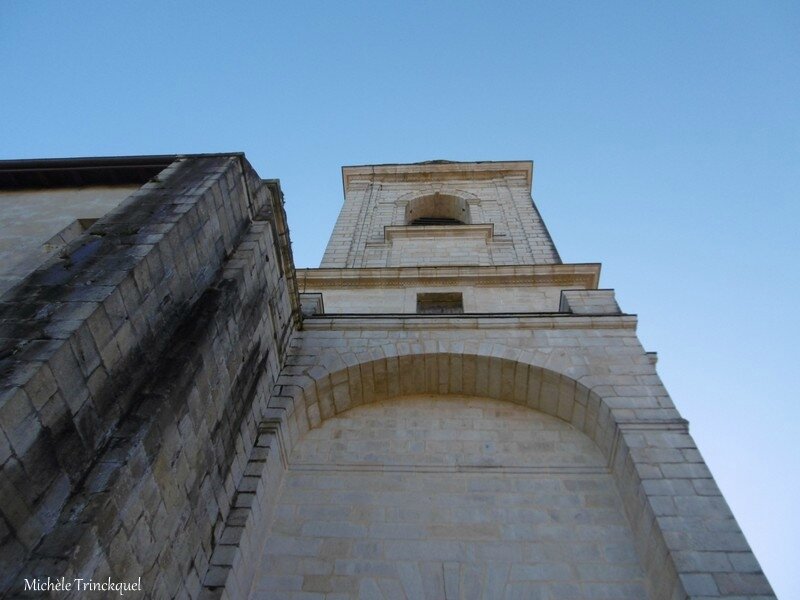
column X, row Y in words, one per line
column 473, row 213
column 469, row 417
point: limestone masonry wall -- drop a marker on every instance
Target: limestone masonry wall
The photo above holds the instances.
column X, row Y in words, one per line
column 31, row 218
column 134, row 370
column 477, row 299
column 588, row 371
column 449, row 497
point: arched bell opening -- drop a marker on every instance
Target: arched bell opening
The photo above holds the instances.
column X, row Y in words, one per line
column 437, row 209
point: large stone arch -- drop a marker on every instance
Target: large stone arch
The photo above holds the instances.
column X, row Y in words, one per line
column 556, row 383
column 668, row 495
column 482, row 375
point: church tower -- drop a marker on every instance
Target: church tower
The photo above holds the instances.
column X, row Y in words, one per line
column 486, row 208
column 473, row 418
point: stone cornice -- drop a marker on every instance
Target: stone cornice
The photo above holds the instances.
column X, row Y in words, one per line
column 482, row 230
column 391, row 322
column 350, row 467
column 438, row 171
column 573, row 276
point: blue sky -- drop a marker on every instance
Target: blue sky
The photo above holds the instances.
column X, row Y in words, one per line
column 666, row 140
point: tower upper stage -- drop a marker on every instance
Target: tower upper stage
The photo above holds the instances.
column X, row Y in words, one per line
column 439, row 213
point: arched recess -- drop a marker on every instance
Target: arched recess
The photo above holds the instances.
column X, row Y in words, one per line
column 437, row 209
column 330, row 393
column 313, row 394
column 448, row 496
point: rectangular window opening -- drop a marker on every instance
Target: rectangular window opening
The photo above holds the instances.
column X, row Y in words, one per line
column 449, row 303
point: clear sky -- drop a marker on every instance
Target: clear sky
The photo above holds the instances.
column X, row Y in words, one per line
column 666, row 139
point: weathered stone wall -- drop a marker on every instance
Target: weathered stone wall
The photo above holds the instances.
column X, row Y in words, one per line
column 134, row 371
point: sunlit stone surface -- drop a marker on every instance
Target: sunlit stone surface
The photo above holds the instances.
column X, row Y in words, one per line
column 445, row 496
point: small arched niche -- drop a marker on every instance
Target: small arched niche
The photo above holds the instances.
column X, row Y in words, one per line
column 437, row 209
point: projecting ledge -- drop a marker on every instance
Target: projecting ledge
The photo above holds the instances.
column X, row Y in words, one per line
column 483, row 230
column 570, row 276
column 468, row 321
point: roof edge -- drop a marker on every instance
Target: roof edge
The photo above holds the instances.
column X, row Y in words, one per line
column 441, row 167
column 39, row 173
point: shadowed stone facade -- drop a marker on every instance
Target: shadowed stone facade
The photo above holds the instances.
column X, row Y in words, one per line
column 179, row 403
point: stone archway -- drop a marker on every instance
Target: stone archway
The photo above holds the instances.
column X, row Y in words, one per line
column 436, row 206
column 448, row 496
column 315, row 388
column 332, row 391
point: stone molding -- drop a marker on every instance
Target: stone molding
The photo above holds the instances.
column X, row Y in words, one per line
column 478, row 230
column 577, row 275
column 545, row 470
column 438, row 171
column 342, row 322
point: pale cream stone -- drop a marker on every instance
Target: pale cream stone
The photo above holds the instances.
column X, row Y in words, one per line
column 462, row 482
